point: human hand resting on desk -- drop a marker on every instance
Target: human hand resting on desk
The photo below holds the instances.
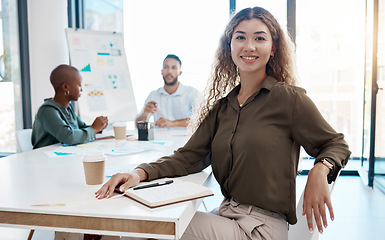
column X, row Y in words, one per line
column 99, row 124
column 316, row 195
column 125, row 180
column 164, row 122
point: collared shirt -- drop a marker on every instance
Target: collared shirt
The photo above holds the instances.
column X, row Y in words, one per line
column 255, row 148
column 56, row 124
column 178, row 105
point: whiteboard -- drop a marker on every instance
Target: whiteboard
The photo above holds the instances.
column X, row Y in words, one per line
column 107, row 88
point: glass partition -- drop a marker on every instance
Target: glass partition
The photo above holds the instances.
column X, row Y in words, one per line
column 189, row 29
column 330, row 58
column 152, row 29
column 379, row 167
column 103, row 15
column 10, row 83
column 276, row 7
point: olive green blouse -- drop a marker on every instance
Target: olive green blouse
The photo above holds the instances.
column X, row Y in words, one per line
column 254, row 150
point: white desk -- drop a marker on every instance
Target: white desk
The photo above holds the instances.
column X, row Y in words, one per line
column 31, row 178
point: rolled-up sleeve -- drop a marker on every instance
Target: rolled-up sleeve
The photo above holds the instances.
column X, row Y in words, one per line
column 318, row 138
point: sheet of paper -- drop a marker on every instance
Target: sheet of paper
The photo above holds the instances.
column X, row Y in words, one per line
column 109, row 147
column 122, row 148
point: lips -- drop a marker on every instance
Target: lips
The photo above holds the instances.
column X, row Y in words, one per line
column 169, row 76
column 249, row 59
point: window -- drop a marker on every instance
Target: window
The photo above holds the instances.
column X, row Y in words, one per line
column 379, row 155
column 330, row 58
column 152, row 29
column 276, row 7
column 102, row 15
column 10, row 83
column 380, row 121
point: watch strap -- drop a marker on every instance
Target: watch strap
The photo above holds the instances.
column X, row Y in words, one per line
column 328, row 165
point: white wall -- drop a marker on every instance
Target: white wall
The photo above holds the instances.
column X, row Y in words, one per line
column 47, row 21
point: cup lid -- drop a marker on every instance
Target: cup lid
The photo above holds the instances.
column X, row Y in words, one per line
column 94, row 157
column 119, row 124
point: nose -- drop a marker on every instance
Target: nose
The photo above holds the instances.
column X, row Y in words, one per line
column 249, row 46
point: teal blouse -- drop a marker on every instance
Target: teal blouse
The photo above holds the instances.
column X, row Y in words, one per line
column 56, row 124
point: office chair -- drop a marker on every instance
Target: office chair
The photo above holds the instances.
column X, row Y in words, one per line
column 300, row 229
column 23, row 140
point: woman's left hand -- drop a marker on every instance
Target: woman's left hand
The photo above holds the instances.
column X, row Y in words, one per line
column 316, row 196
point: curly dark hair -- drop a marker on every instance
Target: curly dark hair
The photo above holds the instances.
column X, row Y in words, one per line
column 225, row 76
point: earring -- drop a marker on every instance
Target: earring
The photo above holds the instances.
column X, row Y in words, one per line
column 66, row 93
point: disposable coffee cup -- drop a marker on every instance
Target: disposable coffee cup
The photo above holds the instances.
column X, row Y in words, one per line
column 120, row 130
column 93, row 164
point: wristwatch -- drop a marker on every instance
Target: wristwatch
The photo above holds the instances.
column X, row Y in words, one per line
column 328, row 165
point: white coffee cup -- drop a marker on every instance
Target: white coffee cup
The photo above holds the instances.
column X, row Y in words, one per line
column 119, row 130
column 94, row 164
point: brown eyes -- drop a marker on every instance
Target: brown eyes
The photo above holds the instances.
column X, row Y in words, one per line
column 244, row 38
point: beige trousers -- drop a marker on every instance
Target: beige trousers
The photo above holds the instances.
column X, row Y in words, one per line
column 234, row 221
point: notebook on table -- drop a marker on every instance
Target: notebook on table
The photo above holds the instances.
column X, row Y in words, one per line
column 175, row 192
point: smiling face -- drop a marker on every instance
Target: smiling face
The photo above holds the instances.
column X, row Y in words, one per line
column 171, row 71
column 251, row 46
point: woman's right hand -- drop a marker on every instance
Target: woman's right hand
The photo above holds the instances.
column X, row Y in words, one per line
column 100, row 123
column 125, row 180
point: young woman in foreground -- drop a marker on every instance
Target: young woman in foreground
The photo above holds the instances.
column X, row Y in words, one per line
column 252, row 126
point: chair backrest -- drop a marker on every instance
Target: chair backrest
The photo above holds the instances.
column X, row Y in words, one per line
column 23, row 139
column 300, row 229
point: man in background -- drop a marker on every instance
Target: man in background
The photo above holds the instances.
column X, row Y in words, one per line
column 172, row 104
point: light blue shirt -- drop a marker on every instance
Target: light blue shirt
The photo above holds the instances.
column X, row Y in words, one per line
column 178, row 105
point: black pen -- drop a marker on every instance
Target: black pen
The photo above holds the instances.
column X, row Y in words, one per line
column 154, row 184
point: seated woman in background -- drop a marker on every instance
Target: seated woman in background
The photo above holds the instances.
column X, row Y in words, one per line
column 56, row 120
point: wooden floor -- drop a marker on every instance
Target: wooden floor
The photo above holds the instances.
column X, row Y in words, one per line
column 359, row 213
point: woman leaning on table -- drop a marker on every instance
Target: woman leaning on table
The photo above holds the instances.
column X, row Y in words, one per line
column 56, row 120
column 252, row 126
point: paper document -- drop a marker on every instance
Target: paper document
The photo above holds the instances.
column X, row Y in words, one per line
column 178, row 191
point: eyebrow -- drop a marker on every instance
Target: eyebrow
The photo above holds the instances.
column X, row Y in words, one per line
column 167, row 65
column 259, row 32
